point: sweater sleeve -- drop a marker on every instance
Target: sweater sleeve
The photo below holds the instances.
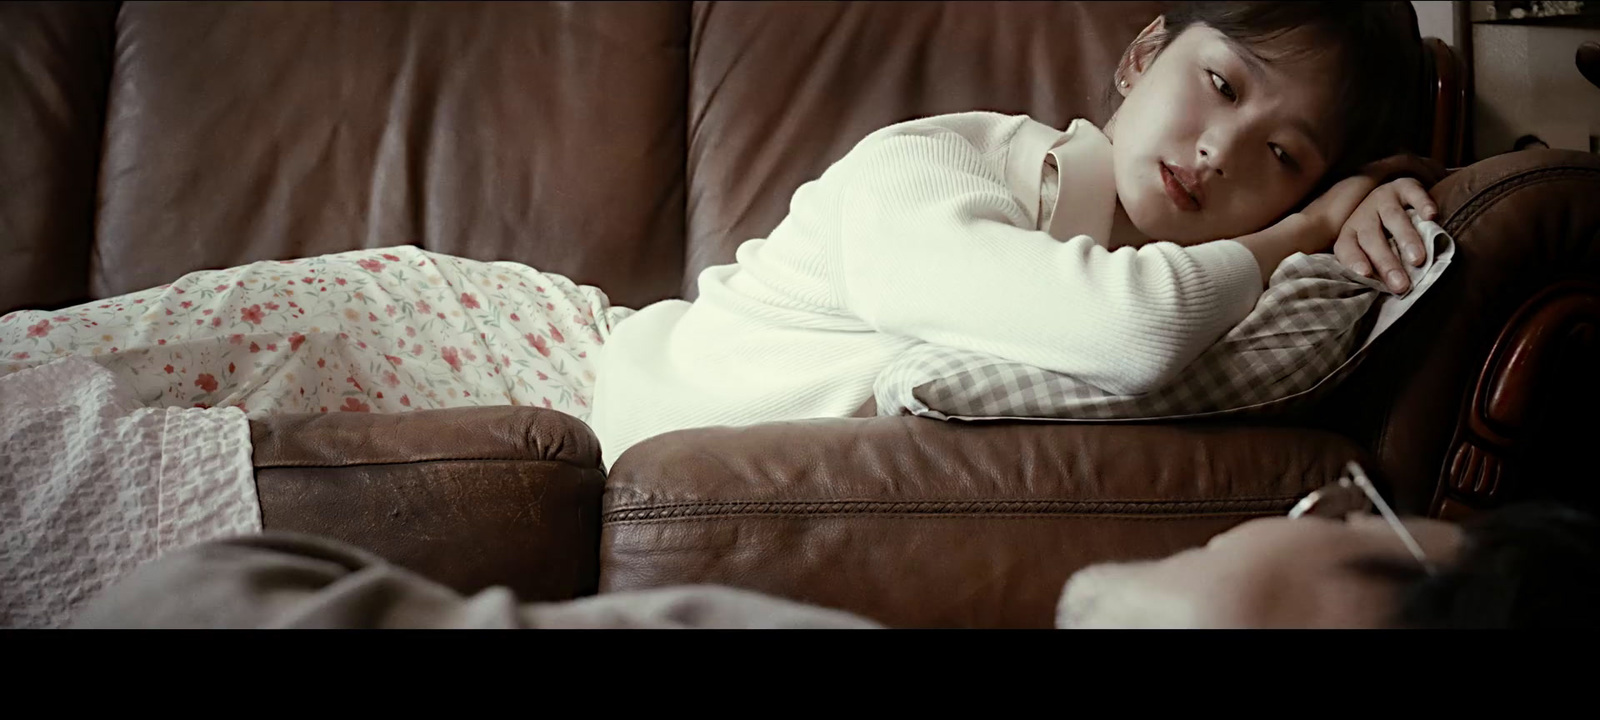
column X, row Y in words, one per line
column 933, row 246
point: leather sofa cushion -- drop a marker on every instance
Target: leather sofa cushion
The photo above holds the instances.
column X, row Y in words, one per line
column 921, row 523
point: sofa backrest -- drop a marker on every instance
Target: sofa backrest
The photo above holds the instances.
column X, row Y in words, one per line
column 55, row 63
column 548, row 133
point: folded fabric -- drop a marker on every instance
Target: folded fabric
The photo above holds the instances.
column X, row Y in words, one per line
column 1306, row 332
column 283, row 580
column 93, row 485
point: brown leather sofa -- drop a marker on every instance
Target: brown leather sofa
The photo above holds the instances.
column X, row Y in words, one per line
column 629, row 146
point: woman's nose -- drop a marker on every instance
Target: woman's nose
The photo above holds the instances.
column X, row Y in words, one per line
column 1210, row 162
column 1215, row 150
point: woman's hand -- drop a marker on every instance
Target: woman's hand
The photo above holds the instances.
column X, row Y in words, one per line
column 1319, row 226
column 1325, row 216
column 1332, row 214
column 1362, row 244
column 1312, row 230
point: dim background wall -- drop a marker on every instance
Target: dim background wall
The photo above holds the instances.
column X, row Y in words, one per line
column 1525, row 81
column 1437, row 19
column 1528, row 84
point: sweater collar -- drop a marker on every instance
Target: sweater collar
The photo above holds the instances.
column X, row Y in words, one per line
column 1086, row 199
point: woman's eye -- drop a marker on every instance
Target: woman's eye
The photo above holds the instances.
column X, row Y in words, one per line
column 1223, row 87
column 1283, row 157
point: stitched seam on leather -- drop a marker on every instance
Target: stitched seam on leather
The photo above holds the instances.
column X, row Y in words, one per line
column 944, row 508
column 1133, row 517
column 944, row 501
column 1478, row 203
column 419, row 461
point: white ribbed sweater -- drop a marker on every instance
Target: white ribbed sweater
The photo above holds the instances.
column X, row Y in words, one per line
column 927, row 231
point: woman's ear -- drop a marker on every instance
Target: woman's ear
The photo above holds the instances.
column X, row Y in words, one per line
column 1140, row 53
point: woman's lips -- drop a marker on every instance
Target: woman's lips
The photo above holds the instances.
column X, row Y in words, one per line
column 1179, row 194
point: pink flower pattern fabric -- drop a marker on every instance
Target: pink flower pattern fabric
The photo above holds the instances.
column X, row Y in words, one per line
column 385, row 330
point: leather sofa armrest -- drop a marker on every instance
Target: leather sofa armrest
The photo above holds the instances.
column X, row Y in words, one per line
column 471, row 497
column 1456, row 401
column 924, row 523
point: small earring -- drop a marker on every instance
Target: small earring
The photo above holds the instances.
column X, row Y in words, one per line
column 1122, row 84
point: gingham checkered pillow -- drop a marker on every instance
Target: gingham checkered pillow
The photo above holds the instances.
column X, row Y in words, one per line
column 1298, row 342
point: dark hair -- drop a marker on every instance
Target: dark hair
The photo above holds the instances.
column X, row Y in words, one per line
column 1527, row 566
column 1378, row 58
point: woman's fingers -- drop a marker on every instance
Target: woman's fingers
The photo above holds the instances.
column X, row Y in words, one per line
column 1413, row 195
column 1364, row 246
column 1405, row 234
column 1348, row 251
column 1369, row 232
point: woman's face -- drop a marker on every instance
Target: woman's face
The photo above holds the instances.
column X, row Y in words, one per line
column 1212, row 141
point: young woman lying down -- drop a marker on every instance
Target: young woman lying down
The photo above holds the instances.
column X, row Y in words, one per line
column 1246, row 133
